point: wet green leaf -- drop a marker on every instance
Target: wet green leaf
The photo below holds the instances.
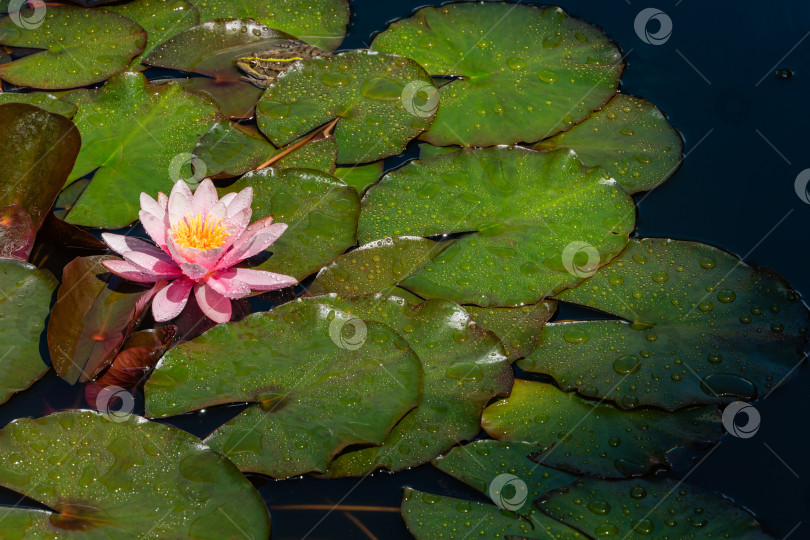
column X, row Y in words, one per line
column 38, row 149
column 521, row 73
column 360, row 177
column 93, row 315
column 630, row 138
column 704, row 327
column 320, row 380
column 430, row 516
column 320, row 212
column 321, row 23
column 529, row 217
column 161, row 19
column 489, row 466
column 464, row 368
column 80, row 47
column 118, row 476
column 518, row 328
column 25, row 299
column 589, row 437
column 134, row 136
column 211, row 49
column 43, row 100
column 376, row 267
column 655, row 508
column 374, row 97
column 231, row 149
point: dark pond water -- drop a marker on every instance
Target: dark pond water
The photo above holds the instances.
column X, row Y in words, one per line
column 746, row 132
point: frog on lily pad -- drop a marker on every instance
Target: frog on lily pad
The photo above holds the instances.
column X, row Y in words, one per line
column 262, row 68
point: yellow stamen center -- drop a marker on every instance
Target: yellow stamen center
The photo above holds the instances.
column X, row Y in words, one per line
column 198, row 233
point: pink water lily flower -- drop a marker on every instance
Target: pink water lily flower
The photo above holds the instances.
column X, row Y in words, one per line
column 199, row 238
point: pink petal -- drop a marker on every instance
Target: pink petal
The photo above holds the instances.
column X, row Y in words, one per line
column 150, row 205
column 155, row 227
column 163, row 200
column 224, row 283
column 152, row 264
column 129, row 271
column 218, row 211
column 205, row 197
column 215, row 306
column 207, row 258
column 255, row 239
column 171, row 300
column 235, row 225
column 179, row 202
column 122, row 244
column 194, row 271
column 174, row 250
column 227, row 198
column 240, row 201
column 259, row 280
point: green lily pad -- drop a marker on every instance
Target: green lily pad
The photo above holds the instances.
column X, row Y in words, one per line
column 161, row 19
column 655, row 508
column 93, row 315
column 132, row 132
column 119, row 476
column 38, row 149
column 320, row 212
column 360, row 177
column 376, row 267
column 81, row 47
column 704, row 328
column 430, row 516
column 372, row 95
column 211, row 49
column 528, row 217
column 43, row 100
column 464, row 368
column 630, row 138
column 231, row 149
column 588, row 437
column 321, row 23
column 522, row 73
column 317, row 387
column 489, row 466
column 518, row 328
column 25, row 299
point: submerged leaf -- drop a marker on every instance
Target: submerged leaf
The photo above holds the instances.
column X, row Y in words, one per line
column 360, row 177
column 630, row 138
column 527, row 219
column 81, row 47
column 518, row 328
column 375, row 98
column 25, row 298
column 588, row 437
column 320, row 212
column 43, row 100
column 135, row 136
column 118, row 476
column 520, row 73
column 655, row 508
column 704, row 327
column 320, row 380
